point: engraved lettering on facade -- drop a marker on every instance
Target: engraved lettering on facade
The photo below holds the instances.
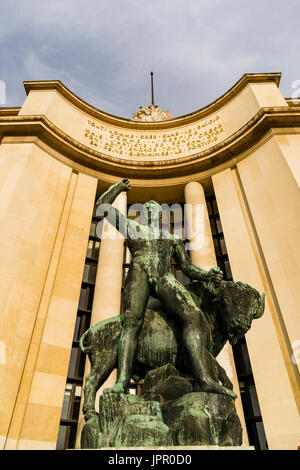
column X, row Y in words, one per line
column 147, row 145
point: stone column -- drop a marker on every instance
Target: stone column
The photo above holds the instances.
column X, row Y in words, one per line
column 271, row 365
column 268, row 181
column 33, row 190
column 107, row 294
column 35, row 421
column 199, row 232
column 203, row 255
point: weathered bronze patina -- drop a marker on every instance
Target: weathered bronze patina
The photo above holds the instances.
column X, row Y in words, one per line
column 172, row 345
column 152, row 250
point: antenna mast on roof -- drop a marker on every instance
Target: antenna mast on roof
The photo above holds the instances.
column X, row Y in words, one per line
column 152, row 89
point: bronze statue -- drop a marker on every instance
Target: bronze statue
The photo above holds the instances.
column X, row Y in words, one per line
column 187, row 397
column 150, row 272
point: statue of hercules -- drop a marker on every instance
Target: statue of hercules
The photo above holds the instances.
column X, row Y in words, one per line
column 150, row 273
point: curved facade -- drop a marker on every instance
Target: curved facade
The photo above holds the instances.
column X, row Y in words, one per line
column 239, row 154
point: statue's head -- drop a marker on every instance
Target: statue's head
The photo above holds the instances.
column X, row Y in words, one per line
column 152, row 213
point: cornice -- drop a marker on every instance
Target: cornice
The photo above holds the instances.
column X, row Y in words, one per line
column 229, row 149
column 11, row 111
column 293, row 101
column 201, row 113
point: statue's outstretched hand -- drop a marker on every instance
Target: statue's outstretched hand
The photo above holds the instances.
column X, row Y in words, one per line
column 125, row 184
column 215, row 275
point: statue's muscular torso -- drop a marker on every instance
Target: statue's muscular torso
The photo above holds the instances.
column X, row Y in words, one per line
column 154, row 255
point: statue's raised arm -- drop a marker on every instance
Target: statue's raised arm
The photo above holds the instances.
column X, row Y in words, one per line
column 105, row 207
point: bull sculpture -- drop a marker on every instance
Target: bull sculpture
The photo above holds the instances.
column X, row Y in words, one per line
column 229, row 310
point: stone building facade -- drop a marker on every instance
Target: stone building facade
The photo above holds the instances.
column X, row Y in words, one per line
column 238, row 159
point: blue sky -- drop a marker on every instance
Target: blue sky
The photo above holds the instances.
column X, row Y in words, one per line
column 104, row 50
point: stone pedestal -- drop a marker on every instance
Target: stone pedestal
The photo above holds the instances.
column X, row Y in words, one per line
column 168, row 414
column 194, row 418
column 180, row 448
column 126, row 421
column 200, row 418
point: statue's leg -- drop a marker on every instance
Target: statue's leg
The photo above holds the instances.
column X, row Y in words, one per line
column 135, row 297
column 101, row 368
column 195, row 332
column 224, row 377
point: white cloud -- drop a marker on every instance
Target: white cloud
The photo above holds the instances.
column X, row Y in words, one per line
column 104, row 50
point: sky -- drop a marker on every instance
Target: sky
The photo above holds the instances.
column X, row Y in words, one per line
column 104, row 50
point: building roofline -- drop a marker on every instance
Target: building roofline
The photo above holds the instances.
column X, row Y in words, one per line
column 9, row 111
column 174, row 122
column 225, row 151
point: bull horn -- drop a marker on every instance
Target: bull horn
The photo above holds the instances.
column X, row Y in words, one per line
column 260, row 310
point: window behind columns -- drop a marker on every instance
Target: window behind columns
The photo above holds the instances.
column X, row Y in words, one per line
column 254, row 424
